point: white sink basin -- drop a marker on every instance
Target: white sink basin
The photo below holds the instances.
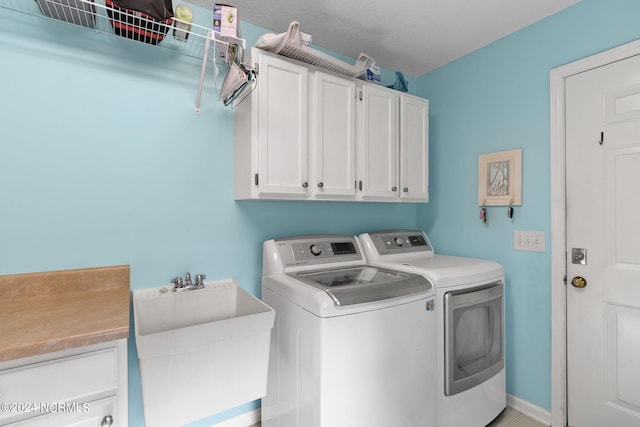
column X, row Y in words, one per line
column 206, row 350
column 179, row 322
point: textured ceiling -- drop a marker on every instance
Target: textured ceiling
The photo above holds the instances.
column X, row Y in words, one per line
column 412, row 36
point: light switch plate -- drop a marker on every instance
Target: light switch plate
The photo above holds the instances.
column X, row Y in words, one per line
column 532, row 241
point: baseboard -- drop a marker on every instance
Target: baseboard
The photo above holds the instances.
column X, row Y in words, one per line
column 529, row 409
column 245, row 420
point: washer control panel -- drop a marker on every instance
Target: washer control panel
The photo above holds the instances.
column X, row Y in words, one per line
column 323, row 249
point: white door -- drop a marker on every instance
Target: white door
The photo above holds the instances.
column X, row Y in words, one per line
column 333, row 120
column 414, row 149
column 282, row 128
column 603, row 217
column 379, row 140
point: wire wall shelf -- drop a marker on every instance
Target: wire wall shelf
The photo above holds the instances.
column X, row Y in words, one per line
column 295, row 44
column 172, row 34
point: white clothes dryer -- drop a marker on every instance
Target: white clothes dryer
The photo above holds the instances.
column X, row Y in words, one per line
column 470, row 311
column 352, row 344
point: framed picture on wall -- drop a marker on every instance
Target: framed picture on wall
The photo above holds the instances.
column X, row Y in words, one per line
column 500, row 178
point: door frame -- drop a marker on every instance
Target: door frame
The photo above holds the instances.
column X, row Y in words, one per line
column 559, row 414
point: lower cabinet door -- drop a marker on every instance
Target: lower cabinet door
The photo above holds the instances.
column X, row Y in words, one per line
column 31, row 389
column 98, row 413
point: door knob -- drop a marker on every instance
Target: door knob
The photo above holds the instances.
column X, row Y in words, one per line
column 578, row 282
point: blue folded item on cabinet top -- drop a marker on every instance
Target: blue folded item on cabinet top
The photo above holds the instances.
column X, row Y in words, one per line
column 400, row 84
column 373, row 73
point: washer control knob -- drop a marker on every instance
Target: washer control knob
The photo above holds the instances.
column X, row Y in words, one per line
column 315, row 250
column 398, row 241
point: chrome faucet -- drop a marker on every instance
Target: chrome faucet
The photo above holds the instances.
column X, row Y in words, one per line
column 187, row 285
column 200, row 280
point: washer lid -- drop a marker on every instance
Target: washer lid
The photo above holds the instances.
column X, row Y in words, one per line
column 357, row 285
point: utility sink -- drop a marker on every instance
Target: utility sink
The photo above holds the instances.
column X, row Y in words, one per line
column 202, row 351
column 169, row 322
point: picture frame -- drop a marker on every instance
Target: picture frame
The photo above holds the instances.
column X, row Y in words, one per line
column 500, row 178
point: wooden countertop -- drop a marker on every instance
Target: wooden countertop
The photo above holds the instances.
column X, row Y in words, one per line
column 56, row 310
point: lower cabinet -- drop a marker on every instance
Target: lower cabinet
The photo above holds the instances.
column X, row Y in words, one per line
column 89, row 414
column 85, row 386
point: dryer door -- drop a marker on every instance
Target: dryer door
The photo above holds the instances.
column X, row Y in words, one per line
column 473, row 336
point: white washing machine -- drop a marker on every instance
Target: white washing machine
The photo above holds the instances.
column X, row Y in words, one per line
column 470, row 309
column 352, row 344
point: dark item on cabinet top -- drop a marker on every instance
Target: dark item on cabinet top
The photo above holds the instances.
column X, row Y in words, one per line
column 79, row 12
column 142, row 20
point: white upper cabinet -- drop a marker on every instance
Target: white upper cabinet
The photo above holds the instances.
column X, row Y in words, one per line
column 282, row 130
column 333, row 136
column 271, row 133
column 308, row 134
column 394, row 144
column 414, row 149
column 379, row 144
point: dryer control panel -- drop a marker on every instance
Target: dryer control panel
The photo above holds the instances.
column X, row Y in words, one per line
column 401, row 241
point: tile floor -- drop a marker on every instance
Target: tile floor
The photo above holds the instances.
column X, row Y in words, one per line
column 512, row 418
column 508, row 418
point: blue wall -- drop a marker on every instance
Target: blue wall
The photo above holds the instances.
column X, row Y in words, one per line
column 103, row 161
column 495, row 99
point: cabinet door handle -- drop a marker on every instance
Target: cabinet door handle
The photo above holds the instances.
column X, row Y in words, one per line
column 305, row 184
column 405, row 189
column 320, row 185
column 107, row 421
column 394, row 188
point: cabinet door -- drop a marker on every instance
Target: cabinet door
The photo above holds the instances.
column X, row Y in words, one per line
column 282, row 128
column 76, row 414
column 333, row 136
column 414, row 149
column 379, row 139
column 67, row 379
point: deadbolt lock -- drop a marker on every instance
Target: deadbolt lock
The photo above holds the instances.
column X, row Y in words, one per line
column 579, row 256
column 578, row 282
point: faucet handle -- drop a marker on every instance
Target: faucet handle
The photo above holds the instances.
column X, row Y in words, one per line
column 177, row 281
column 200, row 279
